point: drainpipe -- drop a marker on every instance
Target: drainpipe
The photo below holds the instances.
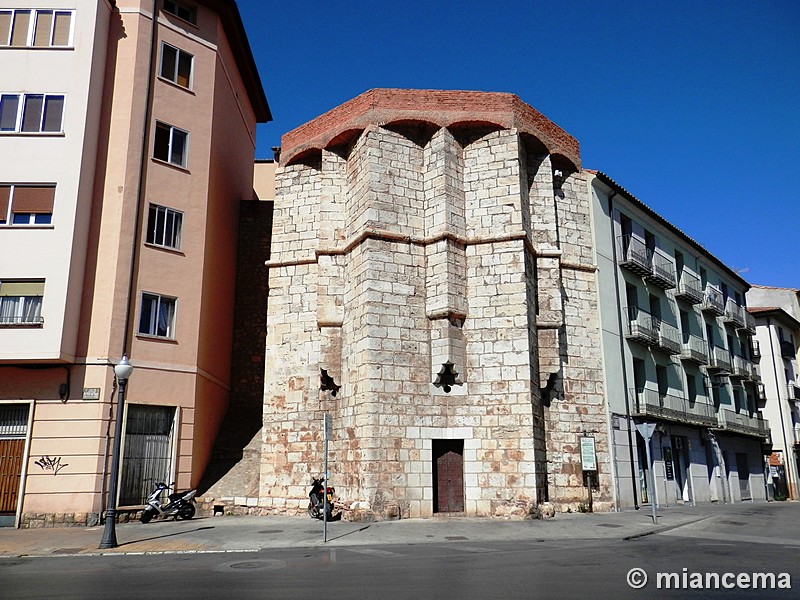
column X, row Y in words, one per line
column 140, row 199
column 622, row 349
column 786, row 446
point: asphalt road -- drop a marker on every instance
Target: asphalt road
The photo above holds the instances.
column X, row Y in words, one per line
column 748, row 541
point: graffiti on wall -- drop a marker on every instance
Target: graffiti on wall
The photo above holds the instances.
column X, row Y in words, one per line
column 53, row 464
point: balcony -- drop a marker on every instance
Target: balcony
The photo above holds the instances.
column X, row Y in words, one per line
column 672, row 407
column 719, row 360
column 642, row 326
column 761, row 392
column 694, row 350
column 733, row 313
column 634, row 255
column 743, row 423
column 689, row 288
column 701, row 413
column 21, row 321
column 669, row 338
column 797, row 433
column 755, row 350
column 741, row 368
column 755, row 376
column 663, row 273
column 793, row 391
column 788, row 350
column 713, row 301
column 749, row 323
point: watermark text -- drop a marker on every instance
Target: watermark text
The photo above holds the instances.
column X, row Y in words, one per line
column 692, row 580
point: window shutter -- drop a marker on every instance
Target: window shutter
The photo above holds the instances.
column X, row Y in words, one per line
column 61, row 29
column 5, row 193
column 22, row 288
column 19, row 33
column 5, row 27
column 33, row 199
column 44, row 24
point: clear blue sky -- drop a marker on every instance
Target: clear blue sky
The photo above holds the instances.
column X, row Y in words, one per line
column 694, row 107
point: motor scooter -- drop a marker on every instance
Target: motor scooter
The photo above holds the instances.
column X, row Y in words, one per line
column 178, row 504
column 316, row 499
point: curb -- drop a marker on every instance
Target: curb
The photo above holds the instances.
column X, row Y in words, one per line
column 664, row 529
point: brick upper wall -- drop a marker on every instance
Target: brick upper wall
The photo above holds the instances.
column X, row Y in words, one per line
column 440, row 107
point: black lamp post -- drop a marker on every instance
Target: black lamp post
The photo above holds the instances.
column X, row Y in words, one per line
column 122, row 371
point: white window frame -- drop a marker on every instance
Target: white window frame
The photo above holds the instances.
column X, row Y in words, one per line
column 172, row 129
column 29, row 36
column 152, row 330
column 20, row 308
column 22, row 100
column 173, row 77
column 177, row 226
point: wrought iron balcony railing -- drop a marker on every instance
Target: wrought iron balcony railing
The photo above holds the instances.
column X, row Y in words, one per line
column 642, row 326
column 701, row 412
column 634, row 255
column 712, row 301
column 689, row 288
column 749, row 323
column 23, row 321
column 746, row 424
column 719, row 359
column 669, row 338
column 793, row 391
column 755, row 350
column 663, row 270
column 741, row 368
column 694, row 349
column 733, row 313
column 672, row 407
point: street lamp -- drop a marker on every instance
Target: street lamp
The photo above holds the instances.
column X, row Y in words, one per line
column 122, row 371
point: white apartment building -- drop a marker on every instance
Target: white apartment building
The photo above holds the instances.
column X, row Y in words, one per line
column 777, row 314
column 678, row 352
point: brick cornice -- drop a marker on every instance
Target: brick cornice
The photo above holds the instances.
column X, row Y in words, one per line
column 441, row 108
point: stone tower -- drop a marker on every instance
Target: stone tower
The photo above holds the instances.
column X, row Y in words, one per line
column 432, row 288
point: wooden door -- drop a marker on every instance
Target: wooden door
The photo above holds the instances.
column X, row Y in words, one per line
column 448, row 467
column 11, row 452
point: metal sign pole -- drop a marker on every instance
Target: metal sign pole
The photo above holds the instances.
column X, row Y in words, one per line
column 325, row 498
column 646, row 431
column 327, row 428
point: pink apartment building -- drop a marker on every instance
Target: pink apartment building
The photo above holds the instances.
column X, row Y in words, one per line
column 127, row 135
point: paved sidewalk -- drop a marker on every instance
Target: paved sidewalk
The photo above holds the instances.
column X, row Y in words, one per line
column 251, row 534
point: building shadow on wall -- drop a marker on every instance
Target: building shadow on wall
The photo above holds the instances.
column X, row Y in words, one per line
column 235, row 466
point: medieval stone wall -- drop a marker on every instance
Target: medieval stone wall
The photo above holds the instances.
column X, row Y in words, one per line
column 425, row 283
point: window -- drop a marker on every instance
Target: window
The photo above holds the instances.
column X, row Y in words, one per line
column 164, row 227
column 26, row 204
column 36, row 28
column 157, row 316
column 31, row 113
column 21, row 302
column 181, row 11
column 170, row 144
column 176, row 65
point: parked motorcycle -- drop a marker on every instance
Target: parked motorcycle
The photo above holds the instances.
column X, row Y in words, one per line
column 179, row 504
column 315, row 509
